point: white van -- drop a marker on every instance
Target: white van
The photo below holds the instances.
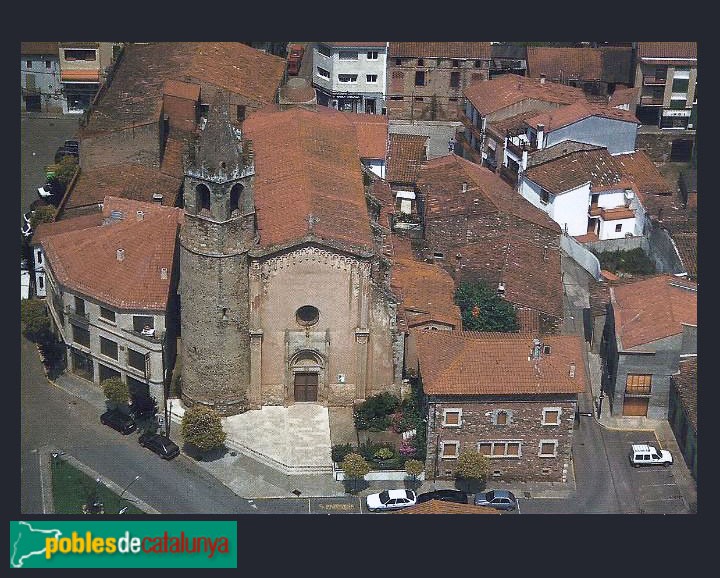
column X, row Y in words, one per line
column 647, row 455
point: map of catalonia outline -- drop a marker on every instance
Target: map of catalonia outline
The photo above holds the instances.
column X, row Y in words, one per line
column 18, row 562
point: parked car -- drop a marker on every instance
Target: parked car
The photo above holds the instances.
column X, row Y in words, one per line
column 457, row 496
column 118, row 421
column 294, row 59
column 498, row 499
column 647, row 455
column 391, row 500
column 24, row 280
column 160, row 444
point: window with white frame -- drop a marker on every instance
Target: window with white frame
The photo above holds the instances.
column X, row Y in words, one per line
column 452, row 417
column 324, row 50
column 501, row 417
column 371, row 77
column 500, row 448
column 372, row 55
column 547, row 448
column 322, row 73
column 348, row 55
column 449, row 449
column 347, row 77
column 551, row 416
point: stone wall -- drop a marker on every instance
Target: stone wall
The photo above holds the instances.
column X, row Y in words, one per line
column 658, row 145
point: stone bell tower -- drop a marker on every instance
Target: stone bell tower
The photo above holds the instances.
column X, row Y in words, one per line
column 218, row 231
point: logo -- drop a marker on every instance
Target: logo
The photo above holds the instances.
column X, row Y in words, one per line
column 126, row 544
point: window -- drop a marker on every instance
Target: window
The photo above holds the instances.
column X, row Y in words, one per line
column 371, row 77
column 500, row 449
column 347, row 55
column 108, row 347
column 501, row 417
column 680, row 84
column 548, row 448
column 452, row 417
column 449, row 449
column 39, row 257
column 79, row 306
column 551, row 416
column 241, row 112
column 324, row 50
column 478, row 64
column 307, row 315
column 398, row 61
column 28, row 64
column 455, row 63
column 419, row 78
column 638, row 384
column 438, row 255
column 678, row 103
column 421, row 62
column 396, row 98
column 48, row 64
column 41, row 282
column 419, row 99
column 372, row 55
column 618, row 228
column 454, row 79
column 544, row 196
column 144, row 324
column 136, row 360
column 347, row 77
column 81, row 336
column 87, row 55
column 107, row 314
column 322, row 73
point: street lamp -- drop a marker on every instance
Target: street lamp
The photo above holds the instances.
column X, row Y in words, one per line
column 135, row 479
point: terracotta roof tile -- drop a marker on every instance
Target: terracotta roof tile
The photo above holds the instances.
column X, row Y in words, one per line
column 624, row 96
column 686, row 244
column 440, row 507
column 131, row 181
column 86, row 260
column 576, row 168
column 372, row 133
column 566, row 115
column 686, row 384
column 307, row 164
column 639, row 168
column 186, row 90
column 652, row 309
column 47, row 230
column 406, row 154
column 467, row 363
column 473, row 50
column 39, row 48
column 564, row 63
column 667, row 50
column 499, row 93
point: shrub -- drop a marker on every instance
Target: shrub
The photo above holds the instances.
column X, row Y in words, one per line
column 374, row 413
column 116, row 391
column 484, row 310
column 634, row 261
column 35, row 320
column 202, row 427
column 384, row 454
column 339, row 451
column 355, row 467
column 471, row 465
column 414, row 468
column 407, row 447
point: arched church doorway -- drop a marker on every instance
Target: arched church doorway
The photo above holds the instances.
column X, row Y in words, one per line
column 306, row 369
column 306, row 386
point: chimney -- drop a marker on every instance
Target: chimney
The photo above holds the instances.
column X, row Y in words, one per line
column 545, row 249
column 464, row 187
column 524, row 159
column 157, row 198
column 536, row 349
column 121, row 254
column 572, row 369
column 163, row 273
column 542, row 79
column 540, row 135
column 140, row 215
column 501, row 289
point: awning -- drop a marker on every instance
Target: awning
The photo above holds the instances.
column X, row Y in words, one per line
column 80, row 76
column 405, row 195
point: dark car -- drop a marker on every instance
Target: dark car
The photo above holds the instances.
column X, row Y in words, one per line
column 160, row 444
column 498, row 499
column 71, row 148
column 119, row 421
column 457, row 496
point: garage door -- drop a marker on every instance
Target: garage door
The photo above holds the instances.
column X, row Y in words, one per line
column 635, row 406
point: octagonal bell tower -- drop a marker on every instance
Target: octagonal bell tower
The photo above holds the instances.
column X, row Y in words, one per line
column 218, row 230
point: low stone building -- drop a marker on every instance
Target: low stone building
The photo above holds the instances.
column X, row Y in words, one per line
column 682, row 413
column 512, row 397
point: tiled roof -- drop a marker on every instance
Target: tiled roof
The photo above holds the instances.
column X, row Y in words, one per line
column 172, row 162
column 667, row 50
column 307, row 167
column 618, row 64
column 467, row 363
column 130, row 181
column 566, row 115
column 426, row 291
column 474, row 50
column 624, row 96
column 39, row 48
column 406, row 154
column 686, row 385
column 652, row 309
column 442, row 177
column 512, row 123
column 656, row 194
column 86, row 260
column 441, row 507
column 559, row 150
column 135, row 95
column 686, row 244
column 180, row 89
column 599, row 297
column 47, row 230
column 572, row 170
column 372, row 134
column 564, row 63
column 508, row 89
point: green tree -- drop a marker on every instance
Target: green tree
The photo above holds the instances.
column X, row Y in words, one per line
column 484, row 310
column 116, row 391
column 355, row 468
column 44, row 214
column 201, row 426
column 472, row 467
column 65, row 171
column 34, row 320
column 414, row 468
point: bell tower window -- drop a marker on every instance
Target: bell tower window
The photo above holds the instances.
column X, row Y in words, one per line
column 235, row 197
column 202, row 200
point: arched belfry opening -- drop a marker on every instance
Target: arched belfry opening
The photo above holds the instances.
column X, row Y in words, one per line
column 235, row 194
column 202, row 197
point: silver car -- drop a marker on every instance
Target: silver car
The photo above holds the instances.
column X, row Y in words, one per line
column 498, row 499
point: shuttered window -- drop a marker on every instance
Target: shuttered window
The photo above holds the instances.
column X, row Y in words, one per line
column 500, row 449
column 513, row 449
column 449, row 449
column 485, row 449
column 548, row 448
column 638, row 384
column 452, row 417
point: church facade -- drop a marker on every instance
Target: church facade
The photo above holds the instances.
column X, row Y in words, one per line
column 284, row 290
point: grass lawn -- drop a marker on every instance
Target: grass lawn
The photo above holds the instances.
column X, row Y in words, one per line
column 72, row 489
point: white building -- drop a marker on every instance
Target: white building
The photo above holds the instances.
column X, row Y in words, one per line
column 351, row 76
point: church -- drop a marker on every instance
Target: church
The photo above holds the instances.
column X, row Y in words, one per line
column 284, row 289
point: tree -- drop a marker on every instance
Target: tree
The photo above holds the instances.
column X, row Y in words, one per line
column 65, row 171
column 472, row 467
column 115, row 390
column 35, row 320
column 414, row 468
column 484, row 310
column 355, row 468
column 201, row 426
column 44, row 214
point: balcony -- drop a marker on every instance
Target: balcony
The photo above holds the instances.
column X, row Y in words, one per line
column 81, row 319
column 611, row 214
column 651, row 101
column 152, row 338
column 654, row 80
